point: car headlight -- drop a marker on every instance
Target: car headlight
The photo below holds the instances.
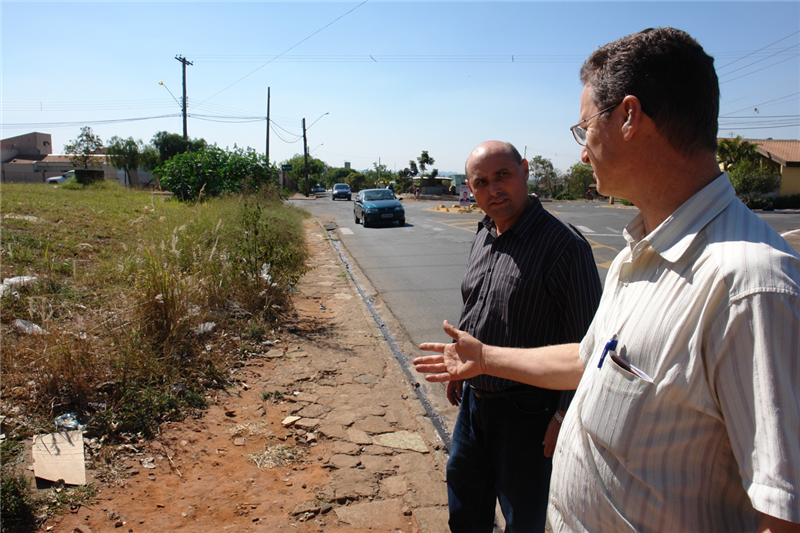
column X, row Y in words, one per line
column 372, row 210
column 398, row 208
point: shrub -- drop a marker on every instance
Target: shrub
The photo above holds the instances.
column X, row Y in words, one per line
column 564, row 196
column 787, row 202
column 16, row 500
column 751, row 181
column 212, row 171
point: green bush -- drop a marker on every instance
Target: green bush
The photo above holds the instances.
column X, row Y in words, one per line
column 16, row 500
column 750, row 181
column 787, row 202
column 212, row 171
column 564, row 196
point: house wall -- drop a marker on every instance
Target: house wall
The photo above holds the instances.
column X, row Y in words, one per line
column 790, row 180
column 29, row 144
column 21, row 173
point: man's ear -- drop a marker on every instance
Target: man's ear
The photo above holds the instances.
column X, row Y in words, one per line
column 524, row 164
column 633, row 116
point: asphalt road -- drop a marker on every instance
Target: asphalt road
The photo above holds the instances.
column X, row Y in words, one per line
column 417, row 269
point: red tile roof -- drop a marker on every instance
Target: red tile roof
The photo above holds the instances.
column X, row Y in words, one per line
column 784, row 152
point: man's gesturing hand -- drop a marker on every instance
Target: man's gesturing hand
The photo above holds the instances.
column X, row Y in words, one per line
column 460, row 360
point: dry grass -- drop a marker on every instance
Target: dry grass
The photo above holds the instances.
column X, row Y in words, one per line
column 124, row 280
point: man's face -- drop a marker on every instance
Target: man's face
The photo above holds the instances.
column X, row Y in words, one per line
column 598, row 149
column 498, row 183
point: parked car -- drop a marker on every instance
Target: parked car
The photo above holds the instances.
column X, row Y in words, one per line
column 341, row 190
column 378, row 205
column 318, row 188
column 55, row 180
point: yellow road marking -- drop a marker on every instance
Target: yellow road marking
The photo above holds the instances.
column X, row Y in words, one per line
column 466, row 225
column 596, row 244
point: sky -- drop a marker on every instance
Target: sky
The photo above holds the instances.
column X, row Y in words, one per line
column 376, row 81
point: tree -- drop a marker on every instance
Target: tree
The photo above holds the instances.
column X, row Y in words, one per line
column 171, row 144
column 125, row 154
column 543, row 174
column 580, row 178
column 337, row 175
column 149, row 158
column 316, row 167
column 424, row 161
column 403, row 180
column 83, row 150
column 357, row 181
column 750, row 181
column 412, row 169
column 379, row 174
column 733, row 151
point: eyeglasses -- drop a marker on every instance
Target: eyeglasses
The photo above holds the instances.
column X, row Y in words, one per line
column 579, row 132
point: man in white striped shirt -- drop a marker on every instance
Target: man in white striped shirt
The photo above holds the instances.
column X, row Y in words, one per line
column 687, row 410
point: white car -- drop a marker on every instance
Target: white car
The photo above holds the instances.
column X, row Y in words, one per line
column 61, row 179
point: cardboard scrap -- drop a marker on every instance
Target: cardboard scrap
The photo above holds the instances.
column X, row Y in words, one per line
column 60, row 456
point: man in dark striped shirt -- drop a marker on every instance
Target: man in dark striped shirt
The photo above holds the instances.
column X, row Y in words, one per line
column 530, row 281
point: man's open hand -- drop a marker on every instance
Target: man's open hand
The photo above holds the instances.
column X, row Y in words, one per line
column 462, row 359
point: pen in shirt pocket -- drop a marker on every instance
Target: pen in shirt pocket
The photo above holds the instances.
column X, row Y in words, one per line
column 610, row 346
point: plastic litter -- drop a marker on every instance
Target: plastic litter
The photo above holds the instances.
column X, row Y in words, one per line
column 27, row 327
column 68, row 421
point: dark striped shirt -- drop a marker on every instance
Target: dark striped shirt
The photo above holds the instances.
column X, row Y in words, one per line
column 534, row 285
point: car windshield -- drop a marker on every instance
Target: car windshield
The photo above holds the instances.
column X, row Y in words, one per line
column 382, row 194
column 340, row 187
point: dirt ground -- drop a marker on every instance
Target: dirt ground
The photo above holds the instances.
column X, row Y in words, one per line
column 321, row 433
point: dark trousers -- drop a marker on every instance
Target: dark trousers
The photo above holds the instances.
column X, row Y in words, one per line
column 497, row 454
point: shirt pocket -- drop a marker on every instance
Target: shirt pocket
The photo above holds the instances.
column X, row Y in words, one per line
column 614, row 407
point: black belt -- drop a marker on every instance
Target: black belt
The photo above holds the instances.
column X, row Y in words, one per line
column 505, row 393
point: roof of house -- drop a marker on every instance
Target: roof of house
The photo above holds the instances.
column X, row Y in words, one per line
column 25, row 159
column 786, row 152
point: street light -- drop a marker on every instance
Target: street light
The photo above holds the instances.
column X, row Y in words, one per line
column 315, row 149
column 172, row 95
column 322, row 115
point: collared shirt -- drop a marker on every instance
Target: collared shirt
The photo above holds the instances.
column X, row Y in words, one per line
column 707, row 435
column 534, row 285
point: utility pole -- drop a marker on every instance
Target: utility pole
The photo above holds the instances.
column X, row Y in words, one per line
column 305, row 155
column 184, row 62
column 267, row 153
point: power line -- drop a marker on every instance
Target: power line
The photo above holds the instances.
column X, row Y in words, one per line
column 282, row 53
column 374, row 58
column 759, row 70
column 278, row 135
column 760, row 60
column 34, row 125
column 756, row 51
column 793, row 82
column 756, row 106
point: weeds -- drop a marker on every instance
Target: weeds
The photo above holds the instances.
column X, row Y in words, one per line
column 266, row 396
column 125, row 279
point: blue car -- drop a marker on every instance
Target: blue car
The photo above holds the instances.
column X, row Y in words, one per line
column 373, row 206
